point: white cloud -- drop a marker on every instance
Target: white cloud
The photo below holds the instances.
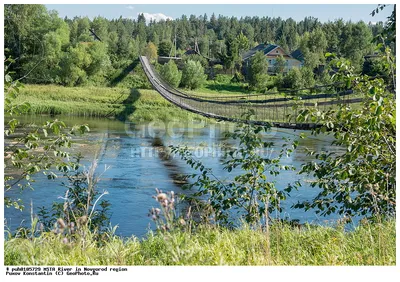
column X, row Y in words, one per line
column 130, row 7
column 157, row 17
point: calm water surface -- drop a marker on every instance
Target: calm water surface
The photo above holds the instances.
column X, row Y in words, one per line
column 131, row 167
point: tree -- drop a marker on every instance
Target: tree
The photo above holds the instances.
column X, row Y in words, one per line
column 171, row 74
column 313, row 46
column 258, row 70
column 151, row 51
column 133, row 49
column 280, row 64
column 307, row 77
column 242, row 43
column 73, row 65
column 165, row 47
column 100, row 27
column 100, row 64
column 193, row 75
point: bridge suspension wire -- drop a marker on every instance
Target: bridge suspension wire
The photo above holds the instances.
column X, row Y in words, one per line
column 277, row 112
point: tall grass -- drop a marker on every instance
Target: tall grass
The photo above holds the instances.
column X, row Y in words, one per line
column 367, row 244
column 123, row 103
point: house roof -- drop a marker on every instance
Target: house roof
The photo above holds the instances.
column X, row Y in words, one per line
column 297, row 54
column 266, row 48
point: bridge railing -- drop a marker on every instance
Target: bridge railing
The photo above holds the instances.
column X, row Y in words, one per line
column 280, row 111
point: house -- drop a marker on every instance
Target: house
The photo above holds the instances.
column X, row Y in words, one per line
column 272, row 52
column 298, row 55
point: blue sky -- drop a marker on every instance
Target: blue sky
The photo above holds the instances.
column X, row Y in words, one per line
column 353, row 12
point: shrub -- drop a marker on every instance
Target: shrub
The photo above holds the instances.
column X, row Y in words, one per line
column 250, row 194
column 293, row 79
column 223, row 79
column 193, row 75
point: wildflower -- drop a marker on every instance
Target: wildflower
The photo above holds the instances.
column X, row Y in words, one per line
column 161, row 197
column 61, row 223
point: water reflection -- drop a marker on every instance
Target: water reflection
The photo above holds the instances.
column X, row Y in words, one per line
column 139, row 162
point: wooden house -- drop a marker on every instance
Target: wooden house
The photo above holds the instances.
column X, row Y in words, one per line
column 272, row 52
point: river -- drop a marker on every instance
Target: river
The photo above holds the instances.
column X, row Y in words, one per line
column 131, row 167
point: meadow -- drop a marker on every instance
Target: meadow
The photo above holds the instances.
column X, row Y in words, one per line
column 366, row 244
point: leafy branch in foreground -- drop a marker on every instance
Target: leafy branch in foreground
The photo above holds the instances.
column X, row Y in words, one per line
column 361, row 180
column 250, row 193
column 29, row 151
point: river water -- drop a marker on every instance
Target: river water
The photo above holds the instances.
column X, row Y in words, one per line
column 131, row 167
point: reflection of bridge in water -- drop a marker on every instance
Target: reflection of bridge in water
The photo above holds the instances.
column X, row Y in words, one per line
column 280, row 111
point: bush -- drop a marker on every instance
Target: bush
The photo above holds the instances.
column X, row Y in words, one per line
column 237, row 78
column 195, row 57
column 293, row 79
column 250, row 195
column 171, row 74
column 223, row 79
column 193, row 75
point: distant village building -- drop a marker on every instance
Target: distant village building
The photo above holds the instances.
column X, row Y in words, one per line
column 272, row 52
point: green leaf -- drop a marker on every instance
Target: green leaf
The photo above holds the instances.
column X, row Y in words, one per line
column 379, row 110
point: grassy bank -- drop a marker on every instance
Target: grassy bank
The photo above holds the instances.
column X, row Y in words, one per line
column 123, row 103
column 368, row 244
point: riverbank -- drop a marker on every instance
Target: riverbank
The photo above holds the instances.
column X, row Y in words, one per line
column 122, row 103
column 367, row 244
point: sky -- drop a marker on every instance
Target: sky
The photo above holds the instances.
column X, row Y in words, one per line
column 324, row 12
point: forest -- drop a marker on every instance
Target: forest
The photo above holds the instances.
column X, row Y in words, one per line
column 80, row 51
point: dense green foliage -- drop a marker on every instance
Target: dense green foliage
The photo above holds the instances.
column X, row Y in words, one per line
column 65, row 51
column 367, row 244
column 362, row 179
column 164, row 48
column 171, row 74
column 193, row 75
column 151, row 51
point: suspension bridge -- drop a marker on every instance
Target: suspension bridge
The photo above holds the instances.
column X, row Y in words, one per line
column 278, row 110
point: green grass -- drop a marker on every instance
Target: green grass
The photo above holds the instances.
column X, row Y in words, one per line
column 123, row 103
column 134, row 104
column 367, row 244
